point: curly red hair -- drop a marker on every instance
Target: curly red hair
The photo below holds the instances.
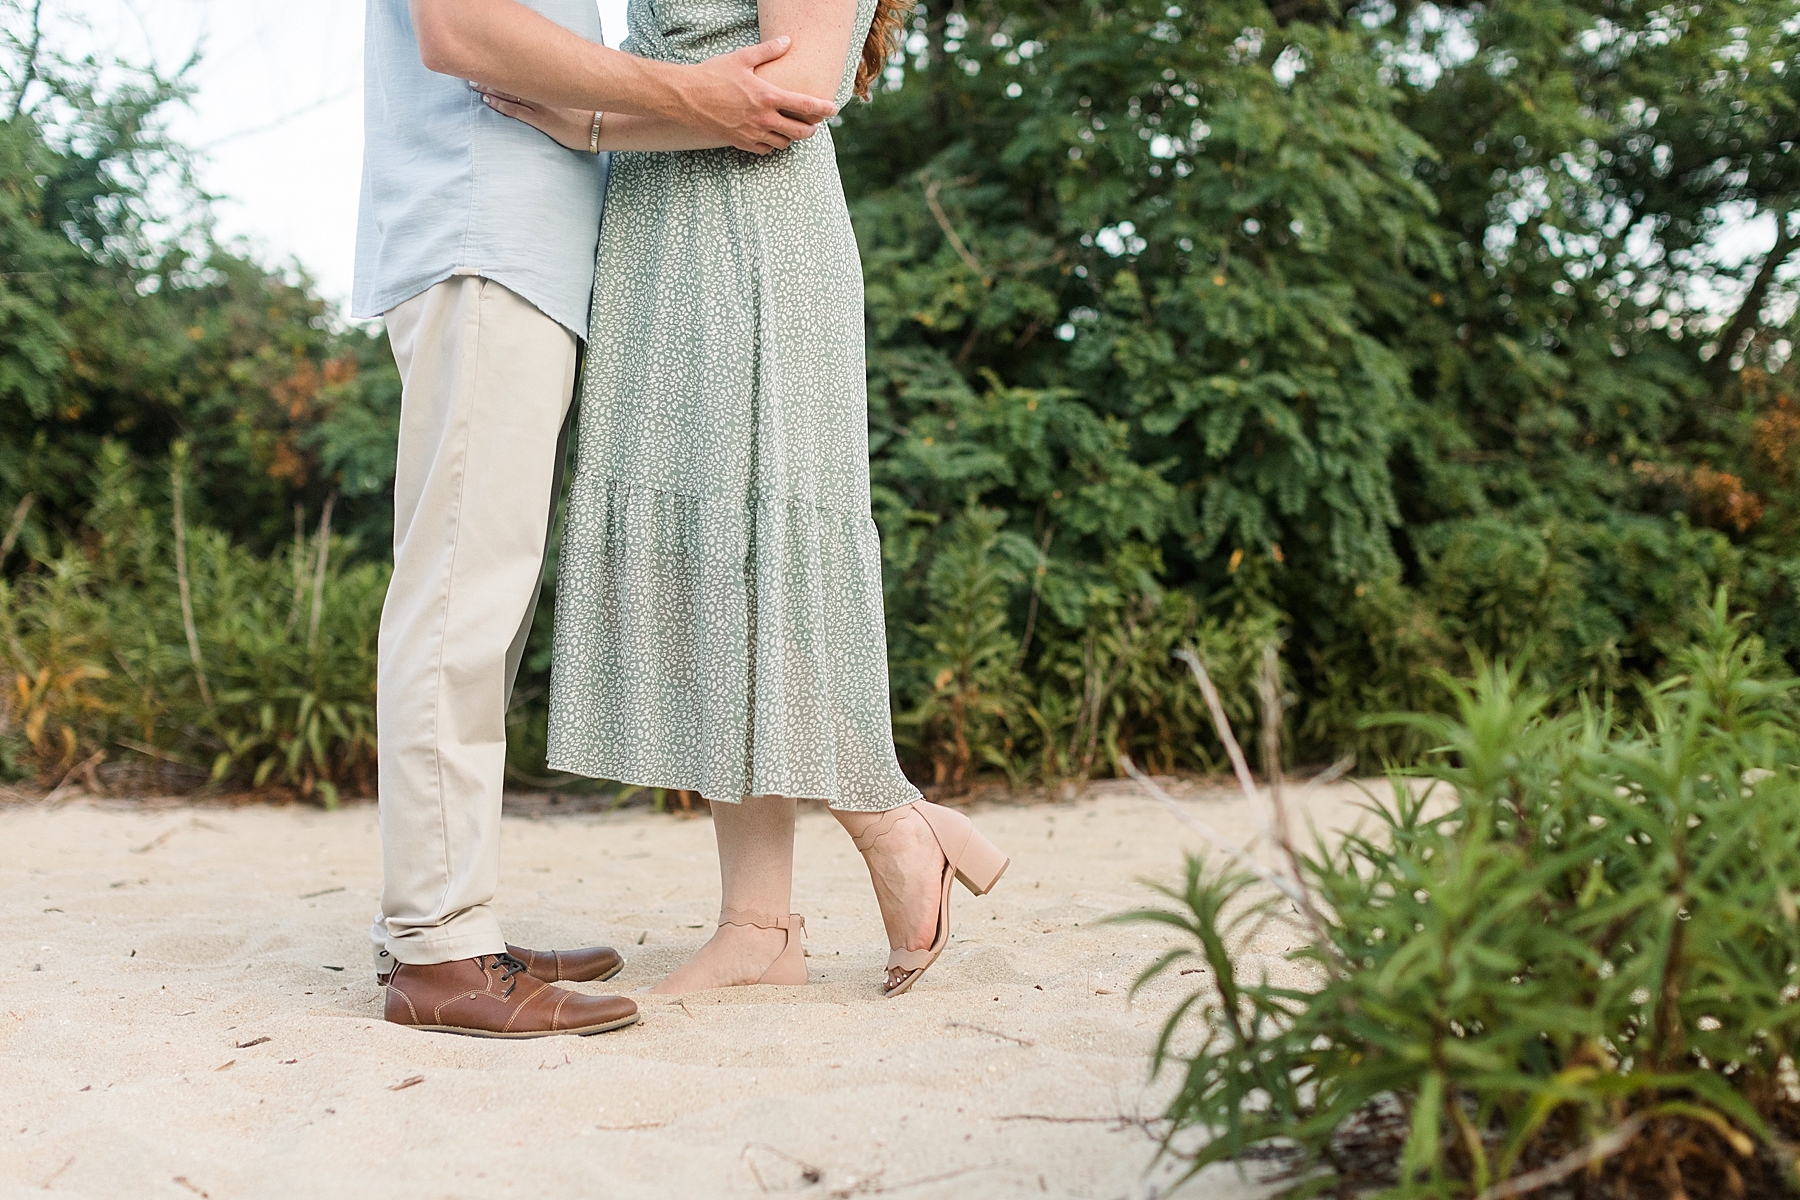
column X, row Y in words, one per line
column 885, row 32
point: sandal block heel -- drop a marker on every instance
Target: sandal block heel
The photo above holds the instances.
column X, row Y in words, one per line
column 981, row 865
column 978, row 863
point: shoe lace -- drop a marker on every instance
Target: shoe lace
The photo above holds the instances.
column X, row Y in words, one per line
column 508, row 966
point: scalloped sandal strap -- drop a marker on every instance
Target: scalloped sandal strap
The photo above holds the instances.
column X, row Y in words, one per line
column 912, row 960
column 760, row 920
column 865, row 841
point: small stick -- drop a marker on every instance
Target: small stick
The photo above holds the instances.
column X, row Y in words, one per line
column 990, row 1032
column 1568, row 1164
column 181, row 582
column 1269, row 690
column 956, row 243
column 152, row 751
column 1334, row 772
column 17, row 525
column 1037, row 586
column 318, row 604
column 1284, row 886
column 1235, row 752
column 84, row 767
column 1296, row 888
column 1271, row 713
column 299, row 567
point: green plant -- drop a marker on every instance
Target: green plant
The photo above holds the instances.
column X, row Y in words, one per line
column 1575, row 950
column 136, row 642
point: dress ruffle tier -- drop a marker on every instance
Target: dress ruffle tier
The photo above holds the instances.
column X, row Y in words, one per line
column 732, row 650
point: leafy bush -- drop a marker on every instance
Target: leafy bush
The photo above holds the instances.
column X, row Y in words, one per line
column 133, row 644
column 1367, row 328
column 1328, row 317
column 1580, row 946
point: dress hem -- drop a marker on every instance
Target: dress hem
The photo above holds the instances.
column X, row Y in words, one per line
column 832, row 802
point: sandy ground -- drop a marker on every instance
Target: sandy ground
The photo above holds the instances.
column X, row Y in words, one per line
column 186, row 1010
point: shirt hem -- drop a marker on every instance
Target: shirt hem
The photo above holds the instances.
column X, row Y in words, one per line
column 392, row 297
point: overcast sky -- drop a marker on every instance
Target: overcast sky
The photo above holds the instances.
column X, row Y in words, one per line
column 278, row 109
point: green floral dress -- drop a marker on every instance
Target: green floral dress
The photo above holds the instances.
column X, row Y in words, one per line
column 719, row 622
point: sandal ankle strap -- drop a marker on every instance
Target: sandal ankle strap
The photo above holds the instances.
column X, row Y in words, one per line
column 760, row 920
column 865, row 841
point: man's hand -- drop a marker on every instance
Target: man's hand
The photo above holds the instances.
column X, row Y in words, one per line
column 725, row 97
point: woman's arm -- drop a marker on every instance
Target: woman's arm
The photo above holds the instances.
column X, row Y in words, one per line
column 509, row 46
column 819, row 49
column 820, row 31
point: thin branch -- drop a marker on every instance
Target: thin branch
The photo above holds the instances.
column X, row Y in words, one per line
column 1232, row 750
column 31, row 75
column 17, row 525
column 1280, row 883
column 1296, row 891
column 84, row 767
column 1750, row 311
column 152, row 751
column 1284, row 839
column 299, row 567
column 1007, row 1037
column 1037, row 586
column 1596, row 1150
column 278, row 122
column 1269, row 692
column 956, row 243
column 318, row 604
column 1334, row 772
column 181, row 581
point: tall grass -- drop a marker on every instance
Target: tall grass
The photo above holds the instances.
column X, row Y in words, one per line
column 1573, row 957
column 143, row 640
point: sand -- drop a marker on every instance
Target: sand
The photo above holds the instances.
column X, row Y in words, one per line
column 186, row 1009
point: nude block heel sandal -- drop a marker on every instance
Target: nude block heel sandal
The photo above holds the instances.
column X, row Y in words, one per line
column 968, row 856
column 789, row 967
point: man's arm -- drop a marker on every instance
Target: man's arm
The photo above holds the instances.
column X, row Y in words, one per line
column 509, row 47
column 818, row 32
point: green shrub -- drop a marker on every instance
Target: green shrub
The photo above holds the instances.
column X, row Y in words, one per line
column 282, row 691
column 1581, row 940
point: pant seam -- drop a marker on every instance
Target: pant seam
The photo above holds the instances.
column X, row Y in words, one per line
column 471, row 356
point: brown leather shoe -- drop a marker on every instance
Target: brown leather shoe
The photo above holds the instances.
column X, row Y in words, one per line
column 494, row 996
column 592, row 964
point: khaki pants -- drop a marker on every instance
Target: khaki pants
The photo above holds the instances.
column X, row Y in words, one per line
column 487, row 383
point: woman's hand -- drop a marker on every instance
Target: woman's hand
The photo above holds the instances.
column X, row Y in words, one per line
column 571, row 127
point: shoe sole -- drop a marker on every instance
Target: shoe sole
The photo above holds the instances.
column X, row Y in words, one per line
column 584, row 1031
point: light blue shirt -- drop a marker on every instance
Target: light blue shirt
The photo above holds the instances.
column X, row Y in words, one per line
column 450, row 187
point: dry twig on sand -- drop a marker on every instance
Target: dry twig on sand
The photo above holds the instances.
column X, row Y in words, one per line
column 1290, row 883
column 83, row 770
column 990, row 1032
column 1590, row 1155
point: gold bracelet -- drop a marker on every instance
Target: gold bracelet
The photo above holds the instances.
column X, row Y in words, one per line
column 594, row 135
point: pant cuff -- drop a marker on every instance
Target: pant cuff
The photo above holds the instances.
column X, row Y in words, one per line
column 467, row 937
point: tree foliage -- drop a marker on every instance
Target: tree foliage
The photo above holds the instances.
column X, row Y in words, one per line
column 1390, row 325
column 1390, row 332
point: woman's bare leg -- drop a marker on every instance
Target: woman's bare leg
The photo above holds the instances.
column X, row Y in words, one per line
column 756, row 874
column 906, row 866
